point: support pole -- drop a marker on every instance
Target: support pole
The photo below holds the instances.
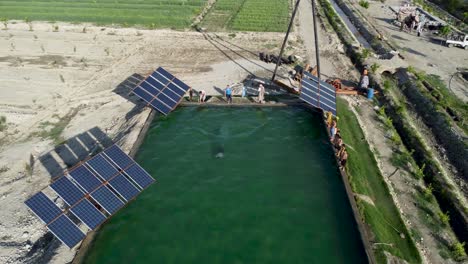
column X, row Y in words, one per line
column 317, row 53
column 286, row 39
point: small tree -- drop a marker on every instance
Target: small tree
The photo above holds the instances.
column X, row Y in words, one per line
column 5, row 22
column 445, row 30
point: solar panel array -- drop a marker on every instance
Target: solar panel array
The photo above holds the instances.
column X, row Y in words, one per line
column 93, row 191
column 323, row 97
column 161, row 90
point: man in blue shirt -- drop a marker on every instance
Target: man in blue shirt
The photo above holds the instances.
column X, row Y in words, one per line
column 228, row 94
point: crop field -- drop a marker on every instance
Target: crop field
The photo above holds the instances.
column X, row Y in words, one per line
column 147, row 13
column 248, row 15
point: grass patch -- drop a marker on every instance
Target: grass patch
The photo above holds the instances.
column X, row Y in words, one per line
column 248, row 15
column 53, row 130
column 157, row 13
column 364, row 4
column 384, row 218
column 3, row 123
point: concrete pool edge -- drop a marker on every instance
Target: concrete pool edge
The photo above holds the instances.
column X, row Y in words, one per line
column 363, row 231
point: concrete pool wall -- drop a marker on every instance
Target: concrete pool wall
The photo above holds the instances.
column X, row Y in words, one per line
column 363, row 231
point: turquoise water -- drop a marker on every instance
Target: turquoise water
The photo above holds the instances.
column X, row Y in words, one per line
column 235, row 185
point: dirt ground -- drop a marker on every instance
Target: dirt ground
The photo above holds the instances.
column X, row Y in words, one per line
column 424, row 53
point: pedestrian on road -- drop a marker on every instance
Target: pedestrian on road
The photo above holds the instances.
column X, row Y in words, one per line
column 228, row 94
column 261, row 94
column 201, row 96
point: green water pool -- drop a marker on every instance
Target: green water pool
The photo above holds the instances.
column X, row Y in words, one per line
column 235, row 185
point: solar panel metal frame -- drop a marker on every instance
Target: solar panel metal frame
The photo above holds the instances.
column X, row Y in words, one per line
column 102, row 198
column 40, row 201
column 88, row 214
column 325, row 96
column 64, row 220
column 161, row 90
column 67, row 190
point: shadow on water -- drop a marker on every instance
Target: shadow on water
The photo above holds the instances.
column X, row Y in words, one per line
column 74, row 150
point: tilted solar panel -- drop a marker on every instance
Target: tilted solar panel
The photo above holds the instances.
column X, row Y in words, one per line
column 88, row 214
column 43, row 207
column 107, row 199
column 139, row 175
column 161, row 90
column 102, row 167
column 67, row 190
column 323, row 96
column 124, row 187
column 85, row 178
column 65, row 230
column 118, row 157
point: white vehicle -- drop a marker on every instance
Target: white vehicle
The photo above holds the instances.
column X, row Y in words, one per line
column 457, row 40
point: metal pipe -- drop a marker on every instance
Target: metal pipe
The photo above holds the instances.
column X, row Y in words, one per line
column 317, row 54
column 285, row 39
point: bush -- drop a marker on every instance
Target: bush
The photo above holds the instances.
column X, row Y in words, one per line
column 364, row 4
column 3, row 124
column 458, row 251
column 444, row 218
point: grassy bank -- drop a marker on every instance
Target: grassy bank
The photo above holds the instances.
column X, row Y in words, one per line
column 147, row 13
column 383, row 217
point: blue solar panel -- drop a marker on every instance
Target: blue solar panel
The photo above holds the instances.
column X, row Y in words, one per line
column 323, row 97
column 182, row 85
column 67, row 190
column 143, row 94
column 118, row 157
column 88, row 214
column 164, row 73
column 43, row 207
column 124, row 187
column 85, row 178
column 162, row 90
column 107, row 199
column 161, row 107
column 149, row 88
column 65, row 230
column 102, row 167
column 139, row 175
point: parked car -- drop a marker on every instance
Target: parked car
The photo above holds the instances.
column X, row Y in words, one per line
column 457, row 40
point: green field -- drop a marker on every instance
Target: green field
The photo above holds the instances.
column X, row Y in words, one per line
column 148, row 13
column 248, row 15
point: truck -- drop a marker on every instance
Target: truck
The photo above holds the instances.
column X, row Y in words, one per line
column 457, row 40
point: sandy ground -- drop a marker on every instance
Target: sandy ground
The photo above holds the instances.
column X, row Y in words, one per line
column 424, row 53
column 82, row 78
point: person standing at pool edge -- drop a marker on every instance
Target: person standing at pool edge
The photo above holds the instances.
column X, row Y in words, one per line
column 261, row 94
column 201, row 96
column 228, row 94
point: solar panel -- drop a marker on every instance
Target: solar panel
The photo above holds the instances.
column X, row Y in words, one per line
column 323, row 97
column 102, row 167
column 139, row 176
column 107, row 199
column 43, row 207
column 161, row 90
column 124, row 187
column 65, row 230
column 85, row 178
column 111, row 179
column 88, row 214
column 118, row 157
column 67, row 190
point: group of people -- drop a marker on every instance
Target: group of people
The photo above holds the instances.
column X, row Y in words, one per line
column 337, row 141
column 228, row 94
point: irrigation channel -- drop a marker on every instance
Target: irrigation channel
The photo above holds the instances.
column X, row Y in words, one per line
column 235, row 185
column 350, row 26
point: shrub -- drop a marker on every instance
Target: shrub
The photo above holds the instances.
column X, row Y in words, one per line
column 444, row 218
column 3, row 124
column 364, row 4
column 428, row 192
column 374, row 67
column 458, row 251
